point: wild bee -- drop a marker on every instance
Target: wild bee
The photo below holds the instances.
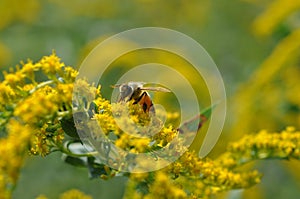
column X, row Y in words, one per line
column 138, row 93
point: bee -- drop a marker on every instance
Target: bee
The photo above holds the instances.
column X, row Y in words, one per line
column 138, row 93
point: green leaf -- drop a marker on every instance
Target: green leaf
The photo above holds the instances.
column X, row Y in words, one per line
column 67, row 124
column 78, row 162
column 195, row 123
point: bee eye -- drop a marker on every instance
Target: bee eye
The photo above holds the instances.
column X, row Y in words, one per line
column 125, row 88
column 125, row 91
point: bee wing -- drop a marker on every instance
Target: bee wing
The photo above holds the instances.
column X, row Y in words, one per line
column 159, row 89
column 132, row 84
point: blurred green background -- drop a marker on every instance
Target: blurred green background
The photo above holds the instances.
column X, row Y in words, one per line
column 33, row 28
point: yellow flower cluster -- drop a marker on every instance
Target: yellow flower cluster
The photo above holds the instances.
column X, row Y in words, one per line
column 30, row 112
column 201, row 178
column 13, row 150
column 127, row 125
column 71, row 194
column 105, row 116
column 210, row 176
column 35, row 116
column 189, row 177
column 36, row 104
column 264, row 145
column 277, row 103
column 163, row 186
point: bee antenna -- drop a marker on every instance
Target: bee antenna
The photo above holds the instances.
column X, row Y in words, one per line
column 115, row 86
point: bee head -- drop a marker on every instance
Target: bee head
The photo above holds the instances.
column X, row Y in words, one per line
column 126, row 90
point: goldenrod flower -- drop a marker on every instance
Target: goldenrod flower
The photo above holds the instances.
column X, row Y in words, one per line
column 74, row 194
column 36, row 115
column 14, row 79
column 164, row 187
column 28, row 69
column 51, row 65
column 13, row 150
column 7, row 94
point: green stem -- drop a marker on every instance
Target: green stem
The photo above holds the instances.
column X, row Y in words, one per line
column 66, row 151
column 41, row 85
